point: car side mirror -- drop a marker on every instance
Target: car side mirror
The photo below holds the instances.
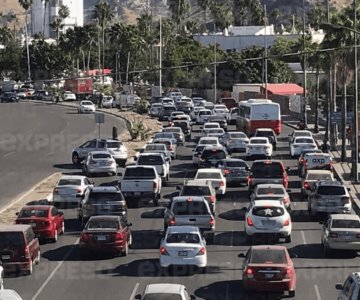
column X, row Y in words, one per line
column 138, row 296
column 241, row 255
column 349, row 190
column 60, row 213
column 321, row 222
column 129, row 224
column 178, row 188
column 338, row 286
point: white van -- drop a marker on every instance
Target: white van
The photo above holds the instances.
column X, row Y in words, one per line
column 316, row 161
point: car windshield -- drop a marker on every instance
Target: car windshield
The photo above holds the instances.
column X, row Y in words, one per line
column 270, row 170
column 331, row 190
column 303, row 141
column 189, row 190
column 236, row 164
column 268, row 211
column 270, row 191
column 345, row 224
column 264, row 133
column 155, row 147
column 101, row 156
column 150, row 160
column 139, row 173
column 102, row 224
column 268, row 256
column 113, row 145
column 237, row 135
column 186, row 238
column 104, row 197
column 319, row 177
column 214, row 130
column 86, row 103
column 69, row 182
column 28, row 213
column 213, row 154
column 208, row 142
column 11, row 239
column 190, row 208
column 259, row 141
column 209, row 175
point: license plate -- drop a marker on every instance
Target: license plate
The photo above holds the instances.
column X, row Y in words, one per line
column 137, row 193
column 268, row 223
column 101, row 238
column 5, row 257
column 269, row 275
column 348, row 237
column 103, row 164
column 182, row 253
column 106, row 207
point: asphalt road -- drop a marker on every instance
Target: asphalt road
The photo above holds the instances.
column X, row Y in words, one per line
column 36, row 139
column 64, row 274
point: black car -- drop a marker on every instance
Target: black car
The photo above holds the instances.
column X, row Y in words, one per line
column 9, row 97
column 165, row 112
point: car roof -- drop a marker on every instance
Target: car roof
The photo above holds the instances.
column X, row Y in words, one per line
column 197, row 182
column 302, row 131
column 268, row 247
column 344, row 217
column 186, row 198
column 183, row 229
column 105, row 189
column 208, row 170
column 152, row 154
column 138, row 167
column 72, row 177
column 39, row 207
column 99, row 152
column 212, row 147
column 208, row 138
column 317, row 154
column 211, row 123
column 9, row 294
column 14, row 227
column 264, row 129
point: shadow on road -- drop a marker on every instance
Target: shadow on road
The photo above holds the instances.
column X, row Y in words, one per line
column 154, row 214
column 233, row 215
column 146, row 239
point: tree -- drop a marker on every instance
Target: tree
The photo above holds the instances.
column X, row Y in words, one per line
column 46, row 2
column 179, row 10
column 57, row 23
column 204, row 5
column 248, row 12
column 222, row 14
column 316, row 16
column 26, row 5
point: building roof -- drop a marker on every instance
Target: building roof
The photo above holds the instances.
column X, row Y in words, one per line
column 285, row 89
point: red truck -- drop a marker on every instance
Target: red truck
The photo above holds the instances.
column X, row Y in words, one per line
column 81, row 87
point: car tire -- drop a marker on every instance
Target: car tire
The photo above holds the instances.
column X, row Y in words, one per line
column 130, row 241
column 292, row 294
column 75, row 158
column 125, row 251
column 55, row 238
column 288, row 239
column 31, row 268
column 156, row 200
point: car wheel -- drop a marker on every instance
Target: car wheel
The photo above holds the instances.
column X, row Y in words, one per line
column 75, row 158
column 130, row 240
column 54, row 240
column 63, row 228
column 291, row 294
column 288, row 239
column 309, row 207
column 30, row 271
column 38, row 258
column 125, row 251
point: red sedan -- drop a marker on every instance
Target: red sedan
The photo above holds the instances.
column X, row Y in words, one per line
column 46, row 220
column 109, row 234
column 270, row 269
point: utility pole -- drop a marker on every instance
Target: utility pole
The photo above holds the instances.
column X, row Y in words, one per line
column 215, row 87
column 304, row 66
column 160, row 60
column 266, row 53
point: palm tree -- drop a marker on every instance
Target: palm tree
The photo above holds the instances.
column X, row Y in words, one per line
column 179, row 10
column 26, row 5
column 222, row 14
column 64, row 12
column 248, row 12
column 57, row 25
column 204, row 5
column 46, row 2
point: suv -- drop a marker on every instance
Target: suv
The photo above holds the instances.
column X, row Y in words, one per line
column 203, row 188
column 194, row 211
column 157, row 160
column 350, row 290
column 19, row 248
column 165, row 112
column 102, row 201
column 211, row 156
column 115, row 147
column 329, row 197
column 268, row 171
column 269, row 133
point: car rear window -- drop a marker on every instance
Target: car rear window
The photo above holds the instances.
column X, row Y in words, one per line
column 265, row 211
column 345, row 224
column 190, row 208
column 237, row 135
column 319, row 177
column 267, row 256
column 102, row 224
column 211, row 126
column 274, row 170
column 269, row 191
column 139, row 173
column 236, row 164
column 104, row 197
column 216, row 130
column 189, row 190
column 203, row 113
column 203, row 175
column 169, row 108
column 259, row 141
column 162, row 135
column 213, row 154
column 208, row 142
column 304, row 140
column 155, row 147
column 189, row 238
column 69, row 182
column 331, row 190
column 101, row 156
column 150, row 160
column 28, row 213
column 113, row 144
column 11, row 239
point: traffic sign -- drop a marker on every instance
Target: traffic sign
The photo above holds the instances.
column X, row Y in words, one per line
column 335, row 118
column 99, row 118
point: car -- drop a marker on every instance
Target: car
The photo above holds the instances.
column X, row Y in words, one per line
column 196, row 153
column 9, row 97
column 178, row 133
column 350, row 290
column 165, row 112
column 185, row 106
column 259, row 146
column 329, row 197
column 175, row 95
column 106, row 234
column 107, row 102
column 170, row 143
column 198, row 101
column 167, row 101
column 266, row 191
column 1, row 276
column 211, row 125
column 40, row 95
column 219, row 112
column 232, row 115
column 102, row 200
column 157, row 148
column 159, row 161
column 301, row 159
column 299, row 133
column 300, row 143
column 210, row 156
column 268, row 171
column 311, row 177
column 185, row 127
column 174, row 115
column 70, row 188
column 166, row 135
column 209, row 105
column 22, row 93
column 203, row 116
column 86, row 106
column 341, row 232
column 165, row 291
column 19, row 248
column 235, row 141
column 117, row 150
column 195, row 111
column 209, row 141
column 269, row 133
column 221, row 106
column 46, row 221
column 236, row 171
column 267, row 217
column 215, row 132
column 203, row 188
column 184, row 246
column 99, row 162
column 268, row 268
column 8, row 294
column 155, row 109
column 316, row 161
column 215, row 176
column 69, row 96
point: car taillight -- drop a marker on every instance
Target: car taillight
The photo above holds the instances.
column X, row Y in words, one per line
column 250, row 180
column 154, row 185
column 119, row 236
column 226, row 171
column 345, row 200
column 170, row 148
column 202, row 251
column 286, row 200
column 249, row 273
column 84, row 237
column 27, row 252
column 333, row 235
column 286, row 222
column 285, row 181
column 56, row 191
column 288, row 273
column 249, row 221
column 212, row 221
column 306, row 186
column 171, row 222
column 222, row 183
column 212, row 199
column 163, row 251
column 79, row 190
column 301, row 161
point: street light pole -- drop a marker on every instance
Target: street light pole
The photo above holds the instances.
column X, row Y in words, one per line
column 266, row 54
column 215, row 87
column 304, row 66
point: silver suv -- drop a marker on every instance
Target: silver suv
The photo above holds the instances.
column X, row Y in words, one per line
column 350, row 290
column 115, row 147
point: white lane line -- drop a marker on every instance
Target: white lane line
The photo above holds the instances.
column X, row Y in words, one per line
column 317, row 292
column 8, row 154
column 132, row 296
column 303, row 237
column 50, row 153
column 43, row 286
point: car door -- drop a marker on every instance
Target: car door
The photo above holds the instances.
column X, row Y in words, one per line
column 56, row 218
column 348, row 289
column 32, row 243
column 89, row 146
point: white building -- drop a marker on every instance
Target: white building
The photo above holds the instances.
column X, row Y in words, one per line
column 76, row 17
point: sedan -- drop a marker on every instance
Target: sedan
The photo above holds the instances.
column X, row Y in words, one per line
column 215, row 132
column 183, row 245
column 235, row 170
column 273, row 191
column 107, row 102
column 99, row 162
column 269, row 269
column 109, row 234
column 69, row 96
column 259, row 146
column 157, row 291
column 215, row 176
column 299, row 133
column 46, row 220
column 86, row 106
column 341, row 232
column 300, row 143
column 235, row 141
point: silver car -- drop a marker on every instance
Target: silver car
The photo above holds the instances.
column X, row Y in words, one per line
column 165, row 290
column 235, row 170
column 178, row 133
column 99, row 162
column 235, row 141
column 271, row 191
column 170, row 145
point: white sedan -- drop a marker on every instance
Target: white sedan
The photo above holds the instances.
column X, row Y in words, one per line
column 209, row 141
column 300, row 143
column 215, row 176
column 69, row 96
column 183, row 245
column 107, row 102
column 215, row 132
column 99, row 162
column 86, row 106
column 165, row 291
column 259, row 146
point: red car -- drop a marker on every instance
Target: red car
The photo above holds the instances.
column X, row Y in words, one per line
column 269, row 268
column 46, row 220
column 109, row 234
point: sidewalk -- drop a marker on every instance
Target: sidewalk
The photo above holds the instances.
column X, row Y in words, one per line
column 342, row 169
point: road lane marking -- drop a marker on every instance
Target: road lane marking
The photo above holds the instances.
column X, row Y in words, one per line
column 317, row 292
column 60, row 263
column 9, row 153
column 132, row 296
column 303, row 237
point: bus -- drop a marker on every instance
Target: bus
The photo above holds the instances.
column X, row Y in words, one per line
column 258, row 113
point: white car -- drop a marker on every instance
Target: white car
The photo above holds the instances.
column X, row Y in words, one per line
column 155, row 109
column 268, row 217
column 176, row 113
column 209, row 141
column 299, row 143
column 232, row 115
column 220, row 112
column 165, row 290
column 183, row 245
column 99, row 162
column 69, row 96
column 203, row 116
column 271, row 191
column 71, row 188
column 167, row 101
column 215, row 176
column 259, row 146
column 211, row 125
column 8, row 294
column 235, row 141
column 194, row 112
column 215, row 132
column 86, row 106
column 198, row 101
column 159, row 161
column 299, row 133
column 221, row 106
column 107, row 101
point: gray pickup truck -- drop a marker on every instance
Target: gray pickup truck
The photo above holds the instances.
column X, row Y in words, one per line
column 193, row 211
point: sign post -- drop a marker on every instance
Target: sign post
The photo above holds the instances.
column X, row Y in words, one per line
column 99, row 119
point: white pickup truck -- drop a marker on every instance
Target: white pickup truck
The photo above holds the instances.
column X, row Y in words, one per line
column 140, row 182
column 157, row 160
